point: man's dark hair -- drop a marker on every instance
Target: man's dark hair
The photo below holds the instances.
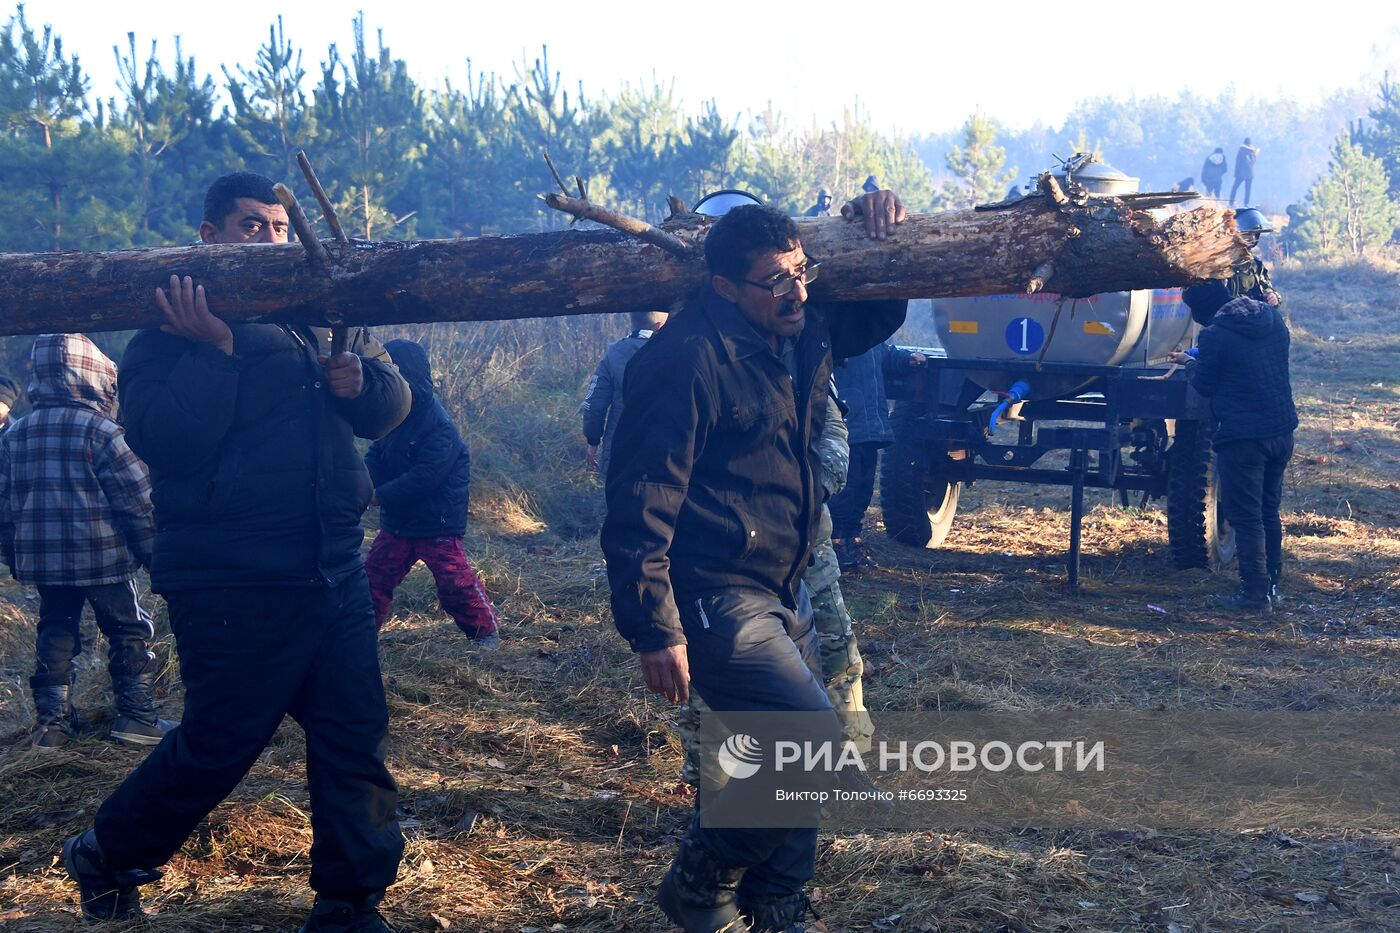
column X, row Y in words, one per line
column 743, row 233
column 219, row 202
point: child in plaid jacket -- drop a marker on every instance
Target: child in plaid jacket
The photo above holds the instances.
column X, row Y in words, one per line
column 76, row 521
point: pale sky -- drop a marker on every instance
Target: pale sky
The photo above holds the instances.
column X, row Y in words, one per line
column 915, row 67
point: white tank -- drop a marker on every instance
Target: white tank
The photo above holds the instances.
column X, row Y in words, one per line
column 1116, row 329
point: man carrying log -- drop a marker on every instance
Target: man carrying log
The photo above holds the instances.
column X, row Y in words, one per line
column 249, row 433
column 713, row 503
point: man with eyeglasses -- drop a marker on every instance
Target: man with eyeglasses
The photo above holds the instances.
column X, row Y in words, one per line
column 713, row 503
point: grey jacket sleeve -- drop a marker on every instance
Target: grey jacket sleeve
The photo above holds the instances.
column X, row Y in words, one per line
column 598, row 400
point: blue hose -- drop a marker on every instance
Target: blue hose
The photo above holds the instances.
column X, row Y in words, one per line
column 1017, row 394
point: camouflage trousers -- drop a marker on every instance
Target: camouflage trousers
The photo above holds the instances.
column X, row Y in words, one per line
column 840, row 658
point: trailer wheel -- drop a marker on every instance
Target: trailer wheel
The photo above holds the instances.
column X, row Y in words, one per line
column 917, row 503
column 1197, row 532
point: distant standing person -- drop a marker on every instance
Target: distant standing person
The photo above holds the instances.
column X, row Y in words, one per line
column 823, row 206
column 602, row 407
column 860, row 383
column 76, row 521
column 1213, row 172
column 871, row 184
column 422, row 479
column 1245, row 158
column 1241, row 365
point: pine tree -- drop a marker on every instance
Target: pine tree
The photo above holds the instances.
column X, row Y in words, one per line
column 471, row 170
column 638, row 148
column 546, row 120
column 271, row 117
column 1382, row 139
column 374, row 118
column 977, row 167
column 175, row 142
column 1348, row 212
column 705, row 156
column 61, row 171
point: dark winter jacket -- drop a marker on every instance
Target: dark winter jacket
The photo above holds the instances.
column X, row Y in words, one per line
column 75, row 501
column 421, row 469
column 1245, row 157
column 602, row 407
column 257, row 481
column 713, row 484
column 860, row 382
column 1213, row 170
column 1242, row 367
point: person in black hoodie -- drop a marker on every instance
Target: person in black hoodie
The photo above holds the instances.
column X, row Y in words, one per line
column 422, row 478
column 1241, row 365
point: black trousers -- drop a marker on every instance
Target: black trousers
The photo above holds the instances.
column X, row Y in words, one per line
column 119, row 617
column 1248, row 188
column 248, row 657
column 749, row 652
column 848, row 507
column 1251, row 491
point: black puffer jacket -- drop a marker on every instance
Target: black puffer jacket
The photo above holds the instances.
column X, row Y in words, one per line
column 256, row 478
column 421, row 469
column 1242, row 367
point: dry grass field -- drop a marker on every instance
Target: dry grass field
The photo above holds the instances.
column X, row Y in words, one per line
column 540, row 782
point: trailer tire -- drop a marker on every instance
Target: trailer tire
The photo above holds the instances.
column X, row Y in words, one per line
column 1197, row 532
column 918, row 503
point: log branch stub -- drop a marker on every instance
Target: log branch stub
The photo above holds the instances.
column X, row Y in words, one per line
column 327, row 211
column 587, row 210
column 558, row 179
column 1041, row 275
column 315, row 249
column 1051, row 186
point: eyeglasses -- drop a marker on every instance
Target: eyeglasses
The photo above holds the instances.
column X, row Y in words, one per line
column 783, row 286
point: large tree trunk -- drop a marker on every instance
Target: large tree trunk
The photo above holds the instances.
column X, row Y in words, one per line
column 1077, row 250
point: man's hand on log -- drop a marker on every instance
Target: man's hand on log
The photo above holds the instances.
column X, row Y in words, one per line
column 187, row 315
column 345, row 375
column 881, row 210
column 667, row 672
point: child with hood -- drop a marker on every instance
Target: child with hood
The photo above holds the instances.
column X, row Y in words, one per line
column 422, row 476
column 76, row 521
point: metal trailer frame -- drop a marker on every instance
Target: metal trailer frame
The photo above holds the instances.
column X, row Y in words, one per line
column 949, row 418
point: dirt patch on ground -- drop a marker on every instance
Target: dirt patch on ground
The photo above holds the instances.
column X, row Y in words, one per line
column 540, row 783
